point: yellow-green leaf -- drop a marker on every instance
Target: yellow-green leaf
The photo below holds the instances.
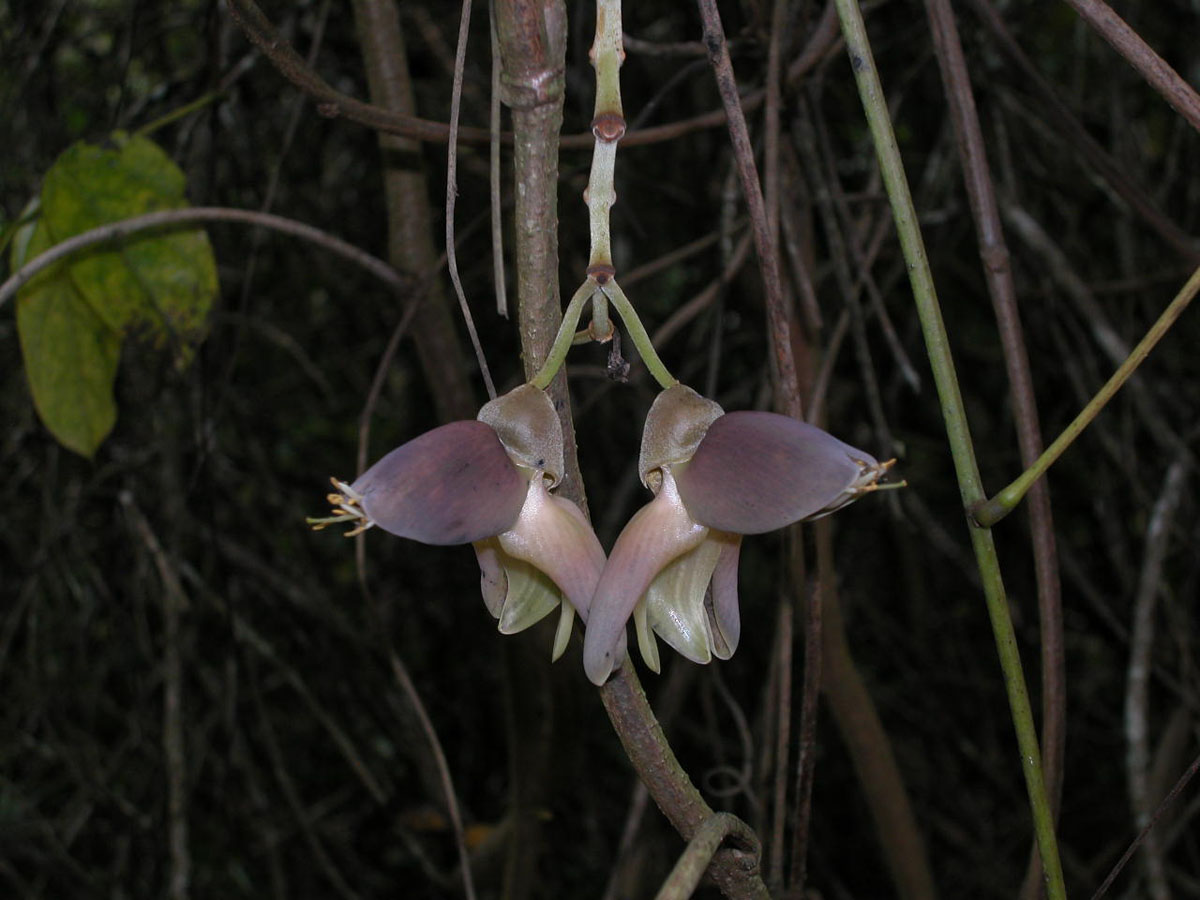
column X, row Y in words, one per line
column 73, row 317
column 70, row 354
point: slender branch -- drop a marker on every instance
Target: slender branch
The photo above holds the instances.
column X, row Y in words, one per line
column 718, row 54
column 608, row 127
column 994, row 255
column 178, row 218
column 954, row 413
column 736, row 872
column 992, row 511
column 174, row 757
column 1137, row 688
column 335, row 104
column 460, row 57
column 1152, row 67
column 1167, row 801
column 694, row 862
column 499, row 284
column 410, row 232
column 1068, row 124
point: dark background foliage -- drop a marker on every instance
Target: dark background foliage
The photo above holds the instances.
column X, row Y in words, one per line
column 303, row 770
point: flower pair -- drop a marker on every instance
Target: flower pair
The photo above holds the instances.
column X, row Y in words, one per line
column 716, row 476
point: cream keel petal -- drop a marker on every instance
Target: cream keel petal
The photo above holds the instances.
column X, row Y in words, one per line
column 645, row 638
column 675, row 602
column 493, row 582
column 562, row 634
column 531, row 596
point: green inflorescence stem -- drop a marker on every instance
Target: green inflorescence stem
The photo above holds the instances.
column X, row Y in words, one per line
column 989, row 512
column 953, row 411
column 608, row 127
column 566, row 334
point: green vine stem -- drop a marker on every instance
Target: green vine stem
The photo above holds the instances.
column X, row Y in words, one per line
column 566, row 335
column 608, row 127
column 954, row 413
column 695, row 859
column 181, row 112
column 600, row 286
column 990, row 512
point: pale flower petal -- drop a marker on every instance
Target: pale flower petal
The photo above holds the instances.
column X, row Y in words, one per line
column 493, row 582
column 658, row 533
column 675, row 602
column 553, row 535
column 531, row 596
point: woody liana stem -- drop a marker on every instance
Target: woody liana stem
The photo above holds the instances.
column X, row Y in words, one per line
column 600, row 285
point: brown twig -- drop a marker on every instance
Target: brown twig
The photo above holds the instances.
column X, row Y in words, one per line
column 178, row 218
column 335, row 104
column 735, row 872
column 785, row 638
column 868, row 744
column 1152, row 67
column 788, row 399
column 460, row 58
column 1066, row 123
column 1137, row 716
column 174, row 602
column 702, row 845
column 499, row 281
column 1167, row 801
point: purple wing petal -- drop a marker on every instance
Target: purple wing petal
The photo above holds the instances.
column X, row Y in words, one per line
column 725, row 613
column 657, row 533
column 758, row 471
column 452, row 485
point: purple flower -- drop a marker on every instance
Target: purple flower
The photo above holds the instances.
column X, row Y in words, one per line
column 716, row 476
column 488, row 483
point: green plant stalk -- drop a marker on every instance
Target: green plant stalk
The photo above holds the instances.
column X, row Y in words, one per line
column 958, row 432
column 638, row 335
column 566, row 335
column 608, row 127
column 174, row 115
column 989, row 512
column 704, row 843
